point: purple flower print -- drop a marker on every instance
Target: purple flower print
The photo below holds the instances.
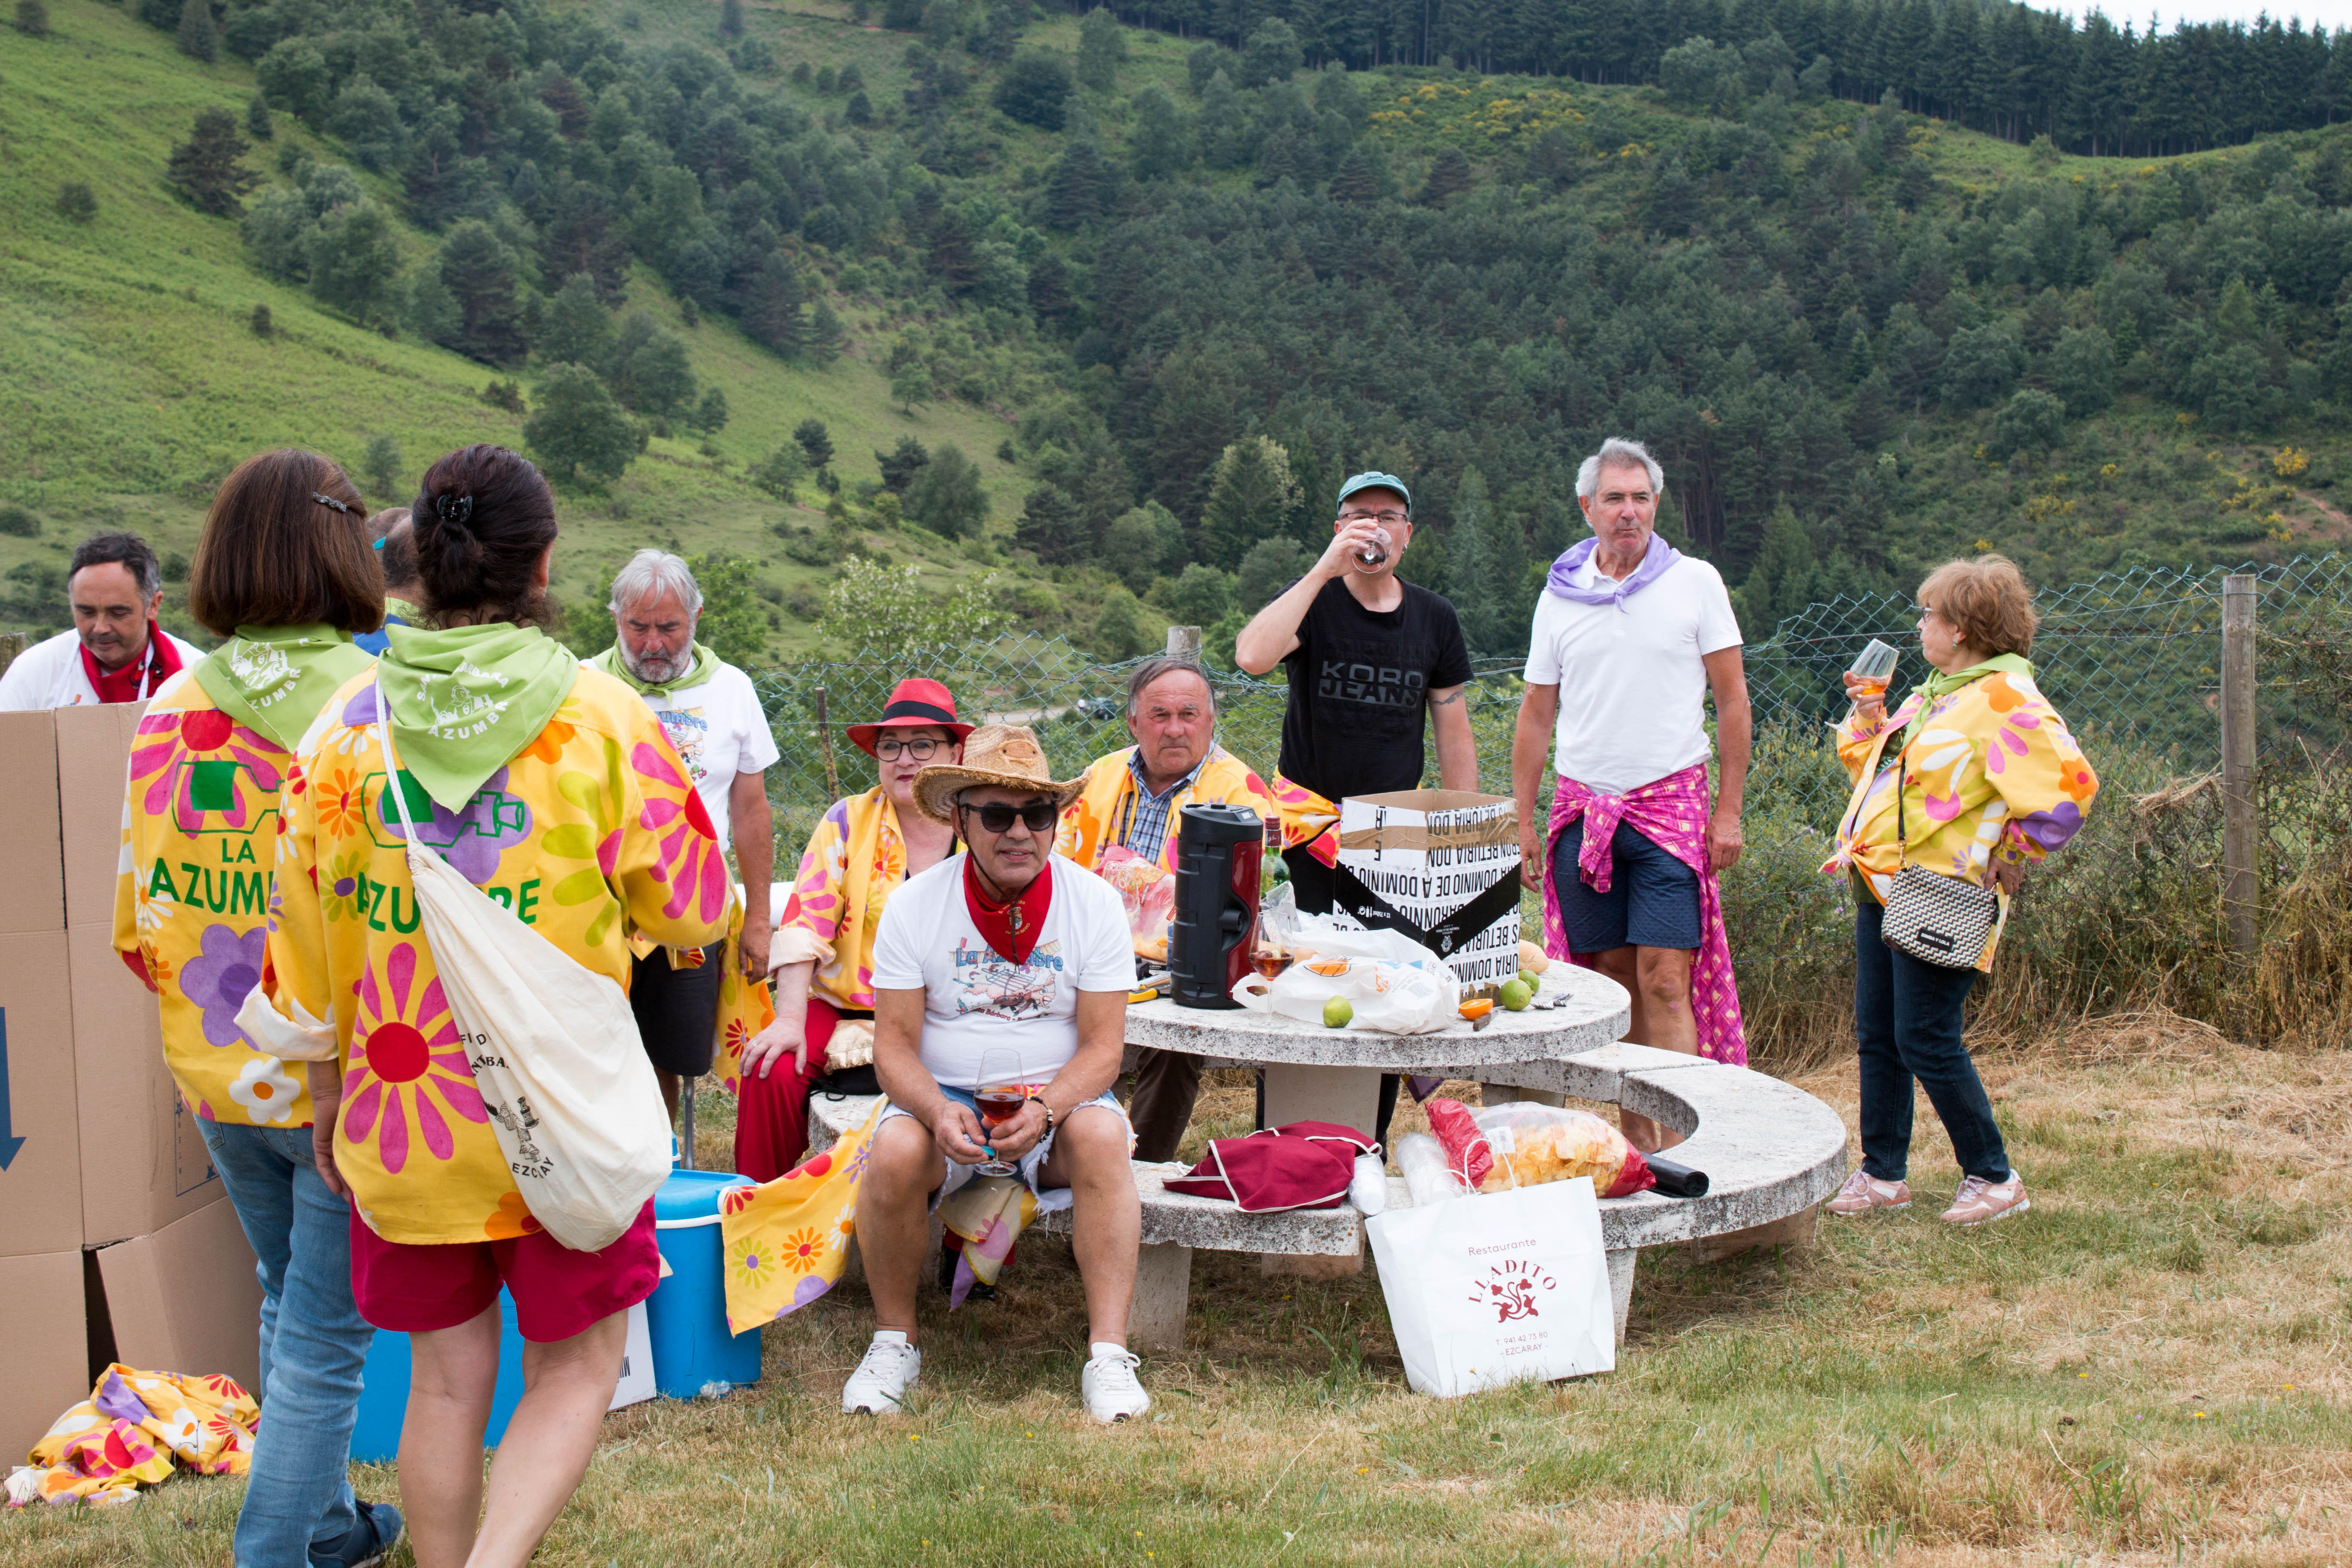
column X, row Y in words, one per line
column 2053, row 827
column 474, row 837
column 220, row 978
column 362, row 709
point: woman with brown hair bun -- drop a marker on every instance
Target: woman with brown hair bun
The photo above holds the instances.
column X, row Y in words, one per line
column 552, row 789
column 283, row 570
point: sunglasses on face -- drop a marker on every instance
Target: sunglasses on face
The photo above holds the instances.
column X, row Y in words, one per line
column 1038, row 816
column 920, row 749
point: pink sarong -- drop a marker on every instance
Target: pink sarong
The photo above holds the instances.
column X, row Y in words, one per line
column 1672, row 813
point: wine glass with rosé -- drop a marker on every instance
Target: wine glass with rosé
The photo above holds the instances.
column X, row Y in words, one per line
column 1872, row 670
column 999, row 1092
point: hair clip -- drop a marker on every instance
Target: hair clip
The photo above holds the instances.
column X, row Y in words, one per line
column 378, row 543
column 330, row 501
column 454, row 509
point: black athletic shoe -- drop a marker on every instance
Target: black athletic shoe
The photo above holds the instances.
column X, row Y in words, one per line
column 370, row 1540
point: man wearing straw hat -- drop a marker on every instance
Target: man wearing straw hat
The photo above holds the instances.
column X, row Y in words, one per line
column 1004, row 964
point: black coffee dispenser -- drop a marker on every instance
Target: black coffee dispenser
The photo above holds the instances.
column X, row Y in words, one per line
column 1218, row 852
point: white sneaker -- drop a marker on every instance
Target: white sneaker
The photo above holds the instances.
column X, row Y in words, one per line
column 879, row 1384
column 1111, row 1391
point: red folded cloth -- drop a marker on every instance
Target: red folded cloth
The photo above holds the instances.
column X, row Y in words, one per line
column 1302, row 1166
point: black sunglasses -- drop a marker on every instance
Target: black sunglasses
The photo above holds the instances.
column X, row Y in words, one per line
column 1038, row 816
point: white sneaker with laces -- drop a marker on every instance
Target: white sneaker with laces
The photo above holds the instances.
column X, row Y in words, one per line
column 879, row 1384
column 1109, row 1384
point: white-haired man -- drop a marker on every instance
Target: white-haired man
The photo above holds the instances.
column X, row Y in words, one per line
column 1629, row 638
column 713, row 716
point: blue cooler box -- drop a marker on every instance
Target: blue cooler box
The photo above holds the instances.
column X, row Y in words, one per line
column 688, row 1313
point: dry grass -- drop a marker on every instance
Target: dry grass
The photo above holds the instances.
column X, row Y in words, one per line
column 2148, row 1368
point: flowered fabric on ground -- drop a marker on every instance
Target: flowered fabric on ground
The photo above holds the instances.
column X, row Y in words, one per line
column 131, row 1432
column 788, row 1240
column 589, row 833
column 1993, row 770
column 200, row 831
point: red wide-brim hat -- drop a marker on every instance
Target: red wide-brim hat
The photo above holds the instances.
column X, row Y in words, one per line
column 913, row 704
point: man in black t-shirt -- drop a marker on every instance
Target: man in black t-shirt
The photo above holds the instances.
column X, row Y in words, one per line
column 1367, row 654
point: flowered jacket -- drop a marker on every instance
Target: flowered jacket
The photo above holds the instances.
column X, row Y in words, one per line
column 834, row 911
column 192, row 898
column 1993, row 770
column 589, row 833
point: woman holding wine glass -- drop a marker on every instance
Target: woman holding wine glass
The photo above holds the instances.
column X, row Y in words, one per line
column 1980, row 780
column 865, row 846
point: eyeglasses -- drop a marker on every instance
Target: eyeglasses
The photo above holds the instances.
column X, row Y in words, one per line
column 920, row 749
column 1388, row 518
column 1038, row 816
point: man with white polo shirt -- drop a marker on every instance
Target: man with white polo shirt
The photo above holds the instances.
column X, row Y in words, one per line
column 713, row 716
column 1630, row 636
column 118, row 650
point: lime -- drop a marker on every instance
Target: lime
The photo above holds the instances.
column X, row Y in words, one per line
column 1528, row 978
column 1338, row 1012
column 1517, row 995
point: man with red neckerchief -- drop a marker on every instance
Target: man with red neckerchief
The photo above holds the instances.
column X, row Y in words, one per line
column 1005, row 947
column 118, row 650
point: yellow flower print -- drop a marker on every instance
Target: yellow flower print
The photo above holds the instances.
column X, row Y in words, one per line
column 805, row 1249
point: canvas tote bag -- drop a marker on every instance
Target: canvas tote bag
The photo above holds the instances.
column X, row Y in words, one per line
column 555, row 1052
column 1497, row 1288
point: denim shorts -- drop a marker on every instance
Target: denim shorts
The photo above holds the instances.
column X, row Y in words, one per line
column 1652, row 901
column 1032, row 1163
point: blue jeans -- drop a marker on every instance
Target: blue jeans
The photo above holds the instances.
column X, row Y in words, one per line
column 313, row 1344
column 1906, row 1020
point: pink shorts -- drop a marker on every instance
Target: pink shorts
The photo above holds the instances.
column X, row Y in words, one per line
column 414, row 1288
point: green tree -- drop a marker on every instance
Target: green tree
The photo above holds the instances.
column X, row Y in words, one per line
column 815, row 442
column 2083, row 369
column 888, row 615
column 1162, row 144
column 1142, row 543
column 1036, row 90
column 483, row 279
column 1980, row 364
column 1119, row 629
column 1074, row 187
column 257, row 119
column 382, row 466
column 1449, row 175
column 1051, row 525
column 578, row 428
column 1202, row 596
column 75, row 201
column 946, row 496
column 780, row 474
column 1271, row 54
column 911, row 384
column 1102, row 49
column 207, row 168
column 733, row 622
column 2030, row 421
column 293, row 77
column 731, row 18
column 1490, row 569
column 1251, row 496
column 1271, row 566
column 901, row 465
column 773, row 306
column 711, row 414
column 651, row 371
column 577, row 329
column 198, row 36
column 355, row 262
column 368, row 120
column 1785, row 578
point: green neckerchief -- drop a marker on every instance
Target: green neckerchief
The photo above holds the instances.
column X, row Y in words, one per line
column 705, row 663
column 276, row 679
column 395, row 606
column 1937, row 685
column 465, row 700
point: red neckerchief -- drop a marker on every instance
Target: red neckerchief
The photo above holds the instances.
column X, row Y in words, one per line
column 1011, row 928
column 140, row 677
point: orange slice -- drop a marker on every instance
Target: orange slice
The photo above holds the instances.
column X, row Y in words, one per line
column 1477, row 1007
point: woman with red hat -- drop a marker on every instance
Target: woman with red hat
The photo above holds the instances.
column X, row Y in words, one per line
column 823, row 953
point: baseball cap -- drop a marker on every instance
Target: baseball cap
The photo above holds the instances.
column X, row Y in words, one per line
column 1375, row 479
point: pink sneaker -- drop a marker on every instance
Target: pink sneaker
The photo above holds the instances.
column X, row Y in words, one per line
column 1979, row 1201
column 1863, row 1192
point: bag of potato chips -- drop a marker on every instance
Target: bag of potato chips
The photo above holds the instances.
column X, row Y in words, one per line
column 1523, row 1144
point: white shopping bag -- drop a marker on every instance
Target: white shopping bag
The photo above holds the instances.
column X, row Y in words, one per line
column 1498, row 1288
column 637, row 1385
column 556, row 1053
column 1393, row 998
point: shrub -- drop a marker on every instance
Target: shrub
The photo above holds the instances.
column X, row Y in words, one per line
column 259, row 321
column 1036, row 90
column 75, row 201
column 17, row 521
column 32, row 18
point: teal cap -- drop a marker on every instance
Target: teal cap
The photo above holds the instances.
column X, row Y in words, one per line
column 1371, row 480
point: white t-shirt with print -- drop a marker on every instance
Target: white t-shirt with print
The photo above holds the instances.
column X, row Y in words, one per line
column 719, row 732
column 974, row 999
column 1633, row 690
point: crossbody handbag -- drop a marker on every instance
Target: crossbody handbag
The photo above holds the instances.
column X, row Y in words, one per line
column 1936, row 918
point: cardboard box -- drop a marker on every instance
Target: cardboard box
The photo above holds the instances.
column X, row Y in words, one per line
column 93, row 754
column 48, row 1372
column 186, row 1300
column 40, row 1142
column 1441, row 866
column 28, row 776
column 143, row 1159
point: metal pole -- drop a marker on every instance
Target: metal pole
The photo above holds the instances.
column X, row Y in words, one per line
column 2240, row 891
column 1184, row 642
column 685, row 1140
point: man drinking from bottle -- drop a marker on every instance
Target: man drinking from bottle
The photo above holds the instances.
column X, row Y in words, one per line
column 1004, row 967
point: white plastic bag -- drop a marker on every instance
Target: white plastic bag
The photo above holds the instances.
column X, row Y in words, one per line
column 1393, row 998
column 555, row 1052
column 1495, row 1288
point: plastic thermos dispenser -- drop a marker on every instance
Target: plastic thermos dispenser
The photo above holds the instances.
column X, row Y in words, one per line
column 1218, row 852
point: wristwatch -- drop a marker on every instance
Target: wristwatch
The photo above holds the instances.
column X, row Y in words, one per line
column 1048, row 1111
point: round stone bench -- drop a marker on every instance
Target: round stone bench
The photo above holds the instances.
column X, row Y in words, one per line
column 1771, row 1153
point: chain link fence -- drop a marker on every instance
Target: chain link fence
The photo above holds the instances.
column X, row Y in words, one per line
column 2132, row 659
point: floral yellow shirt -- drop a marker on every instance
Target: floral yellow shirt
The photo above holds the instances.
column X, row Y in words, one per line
column 589, row 833
column 200, row 834
column 819, row 921
column 1993, row 770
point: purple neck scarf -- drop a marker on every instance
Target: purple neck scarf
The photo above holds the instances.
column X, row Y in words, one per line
column 1658, row 561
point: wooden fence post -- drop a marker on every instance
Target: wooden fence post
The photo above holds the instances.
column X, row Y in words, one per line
column 2239, row 824
column 825, row 745
column 1184, row 642
column 10, row 647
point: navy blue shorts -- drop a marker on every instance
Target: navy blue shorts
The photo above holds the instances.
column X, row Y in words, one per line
column 1652, row 901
